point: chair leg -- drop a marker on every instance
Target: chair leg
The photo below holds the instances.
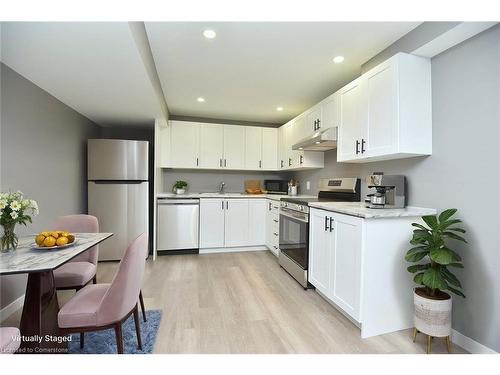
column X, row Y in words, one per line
column 137, row 326
column 429, row 344
column 119, row 337
column 448, row 344
column 141, row 300
column 94, row 279
column 82, row 339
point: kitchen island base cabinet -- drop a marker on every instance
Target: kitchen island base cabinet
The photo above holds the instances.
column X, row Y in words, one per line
column 232, row 225
column 358, row 265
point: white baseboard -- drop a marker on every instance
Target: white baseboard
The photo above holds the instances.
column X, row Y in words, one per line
column 233, row 249
column 469, row 344
column 11, row 308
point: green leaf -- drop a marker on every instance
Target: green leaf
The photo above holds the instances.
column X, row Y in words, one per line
column 416, row 256
column 444, row 255
column 420, row 226
column 431, row 221
column 450, row 278
column 456, row 291
column 446, row 214
column 418, row 267
column 454, row 236
column 448, row 223
column 456, row 265
column 457, row 229
column 418, row 278
column 433, row 279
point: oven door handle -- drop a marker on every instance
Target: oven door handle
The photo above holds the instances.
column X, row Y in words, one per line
column 302, row 218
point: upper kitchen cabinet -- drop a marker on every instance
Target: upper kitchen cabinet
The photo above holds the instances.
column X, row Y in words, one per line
column 184, row 144
column 253, row 147
column 269, row 148
column 386, row 113
column 211, row 146
column 234, row 147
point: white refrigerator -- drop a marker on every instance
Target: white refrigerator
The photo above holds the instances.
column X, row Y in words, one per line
column 118, row 191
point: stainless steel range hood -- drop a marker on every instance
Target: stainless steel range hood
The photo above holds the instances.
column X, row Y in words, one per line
column 320, row 141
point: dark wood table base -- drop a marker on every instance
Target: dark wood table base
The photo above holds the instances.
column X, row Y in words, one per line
column 39, row 329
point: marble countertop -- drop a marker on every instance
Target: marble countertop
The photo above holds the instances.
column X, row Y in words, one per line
column 358, row 209
column 26, row 259
column 229, row 195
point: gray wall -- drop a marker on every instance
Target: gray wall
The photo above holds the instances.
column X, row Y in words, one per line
column 208, row 181
column 463, row 172
column 42, row 154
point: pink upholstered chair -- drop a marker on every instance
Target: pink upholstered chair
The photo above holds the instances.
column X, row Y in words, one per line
column 8, row 342
column 102, row 306
column 82, row 269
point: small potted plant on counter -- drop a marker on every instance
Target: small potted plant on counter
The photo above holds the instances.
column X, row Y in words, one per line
column 180, row 187
column 434, row 258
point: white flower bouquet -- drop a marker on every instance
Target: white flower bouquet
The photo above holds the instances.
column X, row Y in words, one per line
column 14, row 209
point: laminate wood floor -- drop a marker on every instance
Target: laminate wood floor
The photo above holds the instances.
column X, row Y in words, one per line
column 245, row 303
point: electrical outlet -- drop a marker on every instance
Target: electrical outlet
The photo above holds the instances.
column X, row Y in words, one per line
column 308, row 185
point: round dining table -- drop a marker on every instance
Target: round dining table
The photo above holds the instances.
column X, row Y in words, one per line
column 39, row 328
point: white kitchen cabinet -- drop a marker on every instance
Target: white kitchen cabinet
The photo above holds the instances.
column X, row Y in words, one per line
column 211, row 146
column 253, row 147
column 269, row 148
column 358, row 266
column 234, row 147
column 257, row 222
column 212, row 223
column 313, row 120
column 184, row 144
column 272, row 226
column 345, row 263
column 236, row 223
column 329, row 112
column 353, row 119
column 387, row 112
column 282, row 147
column 320, row 250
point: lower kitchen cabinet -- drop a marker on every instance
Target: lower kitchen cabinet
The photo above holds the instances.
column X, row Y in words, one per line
column 272, row 226
column 358, row 265
column 232, row 223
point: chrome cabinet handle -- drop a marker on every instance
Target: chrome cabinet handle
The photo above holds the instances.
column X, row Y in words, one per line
column 357, row 147
column 276, row 221
column 326, row 223
column 331, row 224
column 363, row 146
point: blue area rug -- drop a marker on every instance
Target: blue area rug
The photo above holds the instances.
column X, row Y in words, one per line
column 104, row 342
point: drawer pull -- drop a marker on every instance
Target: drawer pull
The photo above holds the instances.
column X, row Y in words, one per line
column 276, row 221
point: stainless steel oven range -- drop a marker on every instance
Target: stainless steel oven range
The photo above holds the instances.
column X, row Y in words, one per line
column 294, row 223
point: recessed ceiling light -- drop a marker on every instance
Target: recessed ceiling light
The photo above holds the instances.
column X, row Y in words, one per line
column 301, row 148
column 338, row 59
column 209, row 34
column 201, row 100
column 279, row 109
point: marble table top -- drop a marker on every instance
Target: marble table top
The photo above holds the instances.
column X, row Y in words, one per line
column 26, row 259
column 358, row 209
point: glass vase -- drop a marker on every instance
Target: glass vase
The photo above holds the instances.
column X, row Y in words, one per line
column 8, row 241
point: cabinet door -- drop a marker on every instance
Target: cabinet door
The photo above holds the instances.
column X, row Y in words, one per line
column 353, row 120
column 330, row 112
column 211, row 146
column 269, row 148
column 257, row 215
column 236, row 228
column 212, row 223
column 283, row 158
column 269, row 224
column 184, row 144
column 320, row 250
column 253, row 148
column 234, row 147
column 345, row 280
column 314, row 121
column 382, row 93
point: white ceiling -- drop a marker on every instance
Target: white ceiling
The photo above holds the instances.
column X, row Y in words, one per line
column 251, row 68
column 94, row 68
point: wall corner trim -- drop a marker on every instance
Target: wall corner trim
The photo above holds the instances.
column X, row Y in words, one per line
column 11, row 308
column 469, row 344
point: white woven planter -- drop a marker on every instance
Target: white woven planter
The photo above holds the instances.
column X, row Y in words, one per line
column 180, row 191
column 432, row 317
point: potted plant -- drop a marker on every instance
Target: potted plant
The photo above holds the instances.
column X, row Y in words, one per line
column 14, row 209
column 434, row 258
column 180, row 187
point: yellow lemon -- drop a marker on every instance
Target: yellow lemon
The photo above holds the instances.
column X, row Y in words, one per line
column 49, row 241
column 65, row 234
column 54, row 234
column 45, row 234
column 61, row 241
column 39, row 240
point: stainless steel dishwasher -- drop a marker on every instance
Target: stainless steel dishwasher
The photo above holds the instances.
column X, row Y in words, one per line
column 177, row 224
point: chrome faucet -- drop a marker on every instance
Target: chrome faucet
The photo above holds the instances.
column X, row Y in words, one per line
column 221, row 187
